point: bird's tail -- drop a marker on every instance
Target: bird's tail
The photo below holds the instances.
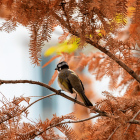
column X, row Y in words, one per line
column 85, row 100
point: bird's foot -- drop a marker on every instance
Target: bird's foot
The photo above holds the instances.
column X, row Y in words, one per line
column 60, row 90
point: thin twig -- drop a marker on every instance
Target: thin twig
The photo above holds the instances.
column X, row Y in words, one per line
column 35, row 135
column 4, row 97
column 35, row 96
column 113, row 133
column 124, row 111
column 37, row 101
column 131, row 121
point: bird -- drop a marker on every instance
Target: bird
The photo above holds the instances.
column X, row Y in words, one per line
column 69, row 81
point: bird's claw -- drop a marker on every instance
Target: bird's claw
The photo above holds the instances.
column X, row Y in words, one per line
column 59, row 90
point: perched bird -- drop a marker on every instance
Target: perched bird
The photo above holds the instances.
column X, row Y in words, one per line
column 69, row 81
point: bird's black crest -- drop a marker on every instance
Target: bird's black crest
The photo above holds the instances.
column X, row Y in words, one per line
column 62, row 65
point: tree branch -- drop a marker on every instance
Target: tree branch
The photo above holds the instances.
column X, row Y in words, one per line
column 129, row 70
column 134, row 122
column 50, row 88
column 37, row 101
column 63, row 3
column 124, row 111
column 102, row 49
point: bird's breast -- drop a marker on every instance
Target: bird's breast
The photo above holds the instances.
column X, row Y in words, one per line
column 61, row 86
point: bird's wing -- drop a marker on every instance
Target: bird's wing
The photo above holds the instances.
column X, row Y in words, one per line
column 76, row 83
column 70, row 86
column 78, row 87
column 82, row 85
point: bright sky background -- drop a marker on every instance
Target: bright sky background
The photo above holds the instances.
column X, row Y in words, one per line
column 15, row 65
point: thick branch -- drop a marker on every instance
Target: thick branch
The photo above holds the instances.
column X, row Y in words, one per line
column 129, row 70
column 102, row 49
column 65, row 13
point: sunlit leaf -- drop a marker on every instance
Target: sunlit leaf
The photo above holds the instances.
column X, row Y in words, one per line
column 120, row 18
column 62, row 47
column 50, row 51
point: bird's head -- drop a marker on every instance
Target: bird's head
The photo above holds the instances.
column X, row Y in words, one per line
column 62, row 65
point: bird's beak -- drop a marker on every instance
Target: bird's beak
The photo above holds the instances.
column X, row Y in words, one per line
column 56, row 68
